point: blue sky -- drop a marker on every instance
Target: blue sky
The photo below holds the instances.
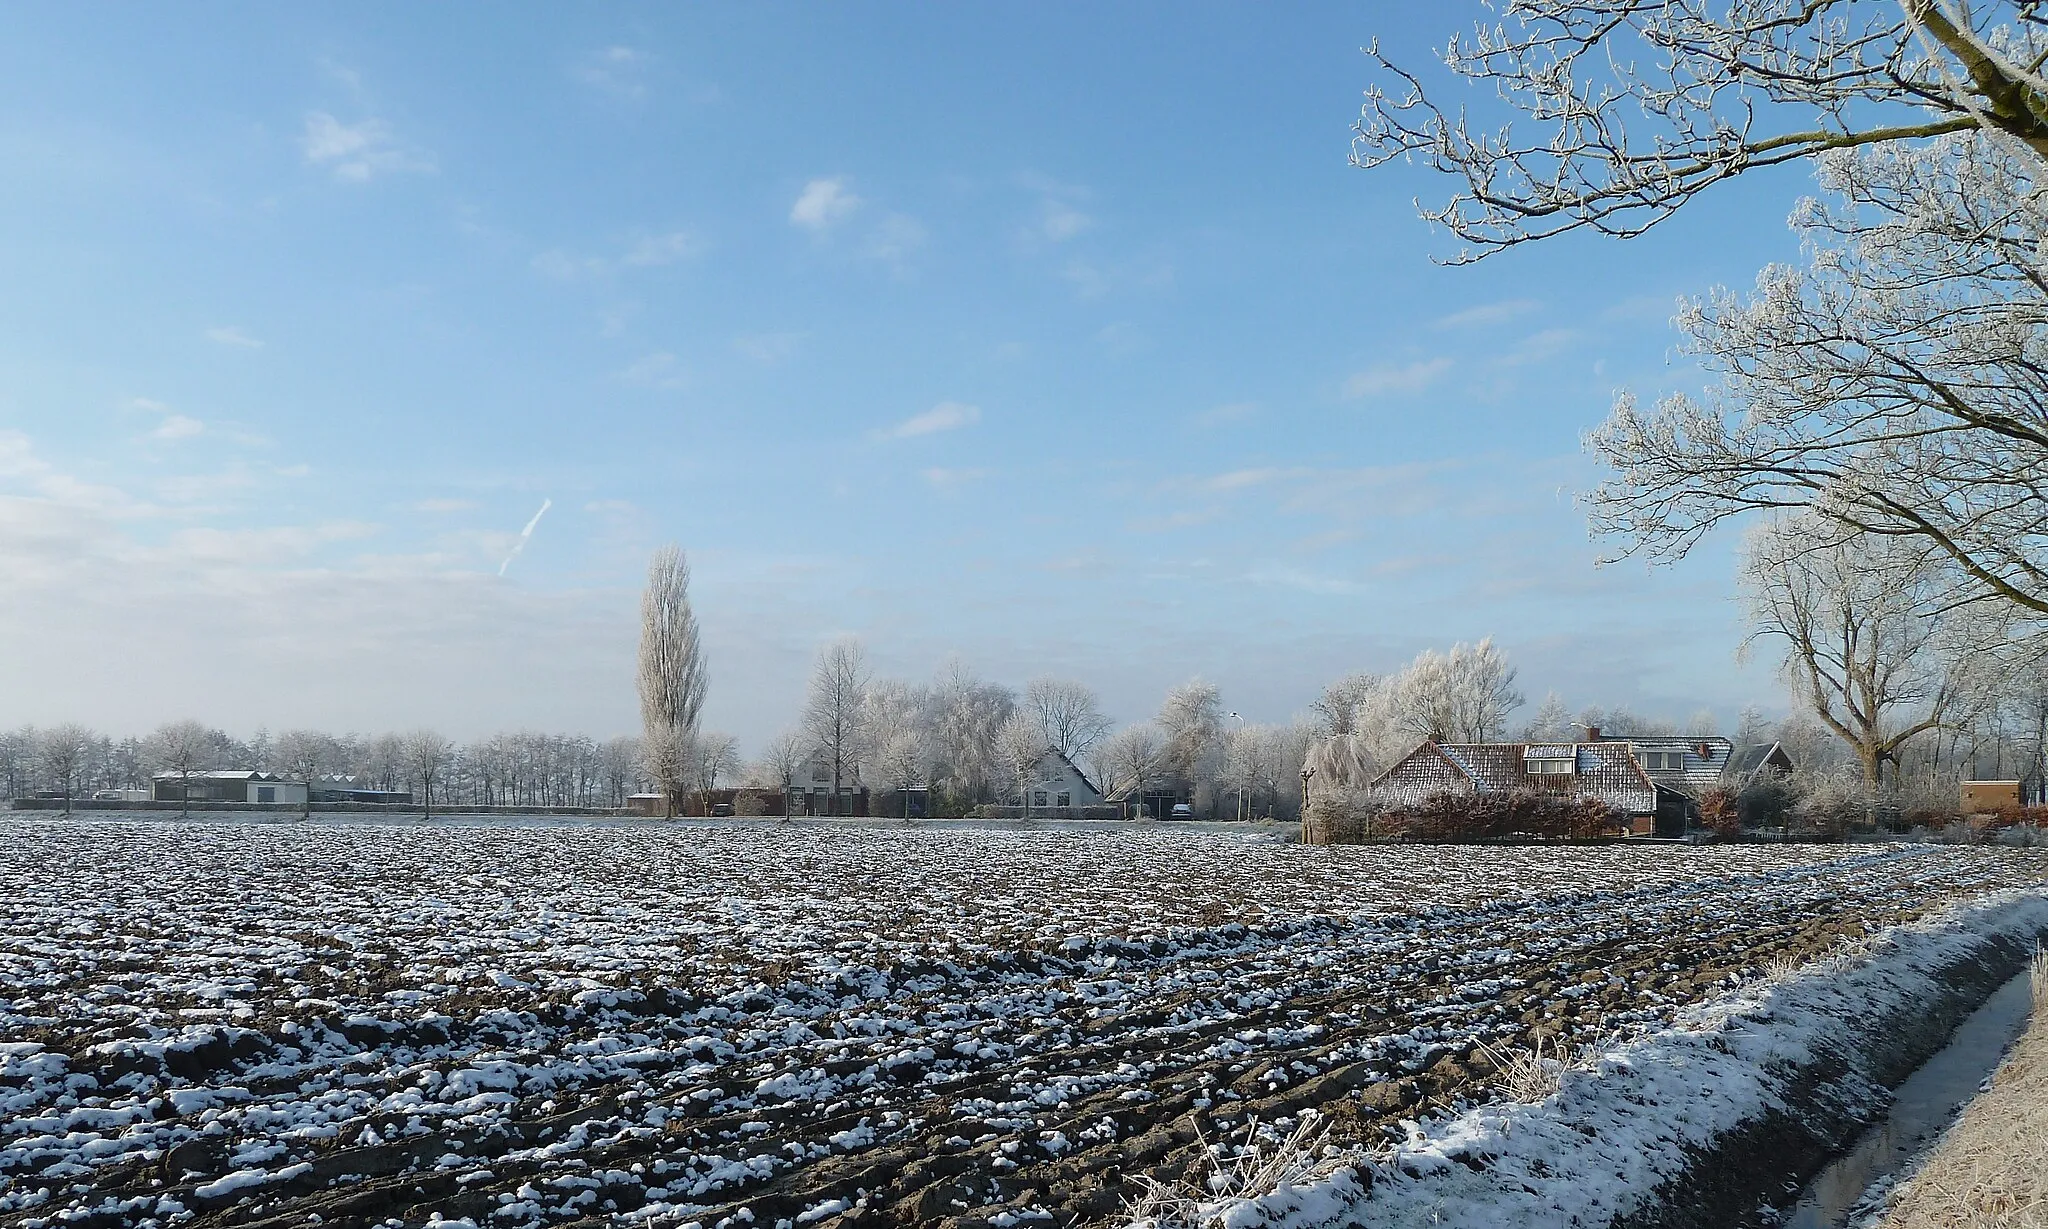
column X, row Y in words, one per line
column 1060, row 337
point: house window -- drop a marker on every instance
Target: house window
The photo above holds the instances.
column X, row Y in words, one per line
column 1038, row 797
column 1066, row 800
column 820, row 773
column 1551, row 766
column 1664, row 761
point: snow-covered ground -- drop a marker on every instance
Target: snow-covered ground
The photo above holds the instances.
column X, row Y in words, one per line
column 757, row 1023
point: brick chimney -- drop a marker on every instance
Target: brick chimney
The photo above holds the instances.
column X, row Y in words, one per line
column 1592, row 733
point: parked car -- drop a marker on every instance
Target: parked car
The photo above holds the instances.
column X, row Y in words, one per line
column 721, row 809
column 1181, row 810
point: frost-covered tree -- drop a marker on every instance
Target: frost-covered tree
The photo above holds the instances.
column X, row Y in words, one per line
column 1020, row 746
column 1897, row 385
column 671, row 759
column 781, row 760
column 903, row 761
column 671, row 675
column 621, row 761
column 967, row 712
column 1069, row 714
column 1129, row 760
column 713, row 756
column 1551, row 723
column 183, row 747
column 307, row 755
column 426, row 754
column 1191, row 721
column 62, row 751
column 1612, row 114
column 1336, row 709
column 1860, row 625
column 1461, row 696
column 835, row 713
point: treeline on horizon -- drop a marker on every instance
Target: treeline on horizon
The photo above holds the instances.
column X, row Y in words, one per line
column 968, row 740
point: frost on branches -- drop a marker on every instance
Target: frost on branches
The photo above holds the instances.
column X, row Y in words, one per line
column 1627, row 109
column 1897, row 385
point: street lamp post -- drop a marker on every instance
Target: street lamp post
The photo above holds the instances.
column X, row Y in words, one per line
column 1240, row 767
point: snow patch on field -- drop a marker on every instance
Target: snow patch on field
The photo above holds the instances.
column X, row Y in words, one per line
column 1622, row 1126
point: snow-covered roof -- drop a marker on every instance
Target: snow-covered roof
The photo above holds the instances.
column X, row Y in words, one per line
column 238, row 774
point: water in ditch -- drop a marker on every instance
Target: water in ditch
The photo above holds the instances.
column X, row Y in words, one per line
column 1921, row 1110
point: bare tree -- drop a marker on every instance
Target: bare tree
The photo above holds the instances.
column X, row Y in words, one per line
column 1336, row 710
column 672, row 762
column 183, row 747
column 1858, row 622
column 713, row 756
column 620, row 760
column 1068, row 713
column 1019, row 750
column 305, row 754
column 1552, row 722
column 1897, row 386
column 1461, row 696
column 1129, row 760
column 671, row 676
column 781, row 760
column 425, row 755
column 1191, row 718
column 903, row 762
column 1633, row 107
column 967, row 712
column 835, row 713
column 62, row 749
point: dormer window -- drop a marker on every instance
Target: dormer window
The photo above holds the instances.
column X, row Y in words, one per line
column 1551, row 765
column 1664, row 761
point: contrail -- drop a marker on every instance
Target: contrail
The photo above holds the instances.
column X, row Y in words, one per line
column 524, row 534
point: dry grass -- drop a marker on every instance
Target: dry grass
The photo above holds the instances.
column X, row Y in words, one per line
column 1259, row 1166
column 1531, row 1074
column 1992, row 1167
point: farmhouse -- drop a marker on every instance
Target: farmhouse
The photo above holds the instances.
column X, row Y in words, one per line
column 1054, row 782
column 1602, row 770
column 1655, row 780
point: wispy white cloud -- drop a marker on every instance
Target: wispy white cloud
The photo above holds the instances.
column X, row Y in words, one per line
column 1059, row 221
column 894, row 240
column 1302, row 580
column 1060, row 215
column 823, row 204
column 177, row 427
column 1234, row 411
column 230, row 335
column 657, row 370
column 767, row 347
column 267, row 545
column 647, row 252
column 945, row 416
column 356, row 153
column 616, row 70
column 1392, row 379
column 1488, row 313
column 440, row 506
column 1537, row 347
column 1239, row 479
column 944, row 479
column 657, row 250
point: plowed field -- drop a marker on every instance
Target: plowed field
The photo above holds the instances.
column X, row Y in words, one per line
column 757, row 1023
